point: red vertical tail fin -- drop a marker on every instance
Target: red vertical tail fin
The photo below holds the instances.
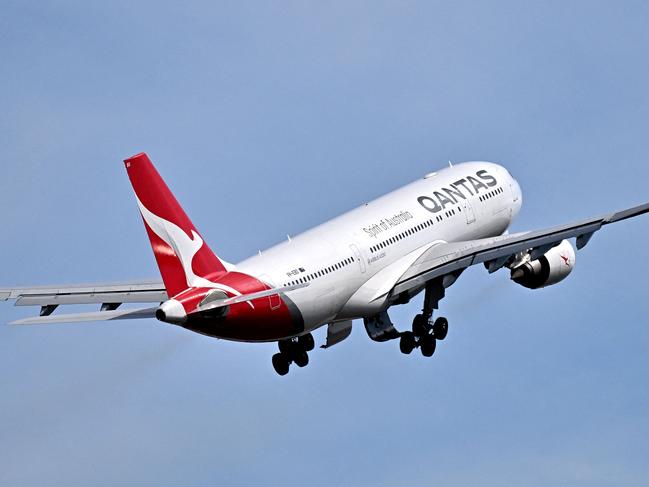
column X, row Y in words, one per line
column 183, row 257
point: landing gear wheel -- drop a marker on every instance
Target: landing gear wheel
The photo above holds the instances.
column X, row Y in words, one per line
column 307, row 342
column 440, row 328
column 407, row 342
column 281, row 363
column 420, row 325
column 301, row 359
column 285, row 346
column 427, row 344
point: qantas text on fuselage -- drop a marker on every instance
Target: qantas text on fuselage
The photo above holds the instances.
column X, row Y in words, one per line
column 442, row 197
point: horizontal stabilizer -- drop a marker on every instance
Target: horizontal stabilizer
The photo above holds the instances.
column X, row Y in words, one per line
column 122, row 314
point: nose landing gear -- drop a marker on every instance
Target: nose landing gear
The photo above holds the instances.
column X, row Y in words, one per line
column 293, row 350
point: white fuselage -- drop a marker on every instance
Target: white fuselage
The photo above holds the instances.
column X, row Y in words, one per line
column 345, row 260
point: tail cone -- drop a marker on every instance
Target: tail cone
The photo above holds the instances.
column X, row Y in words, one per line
column 171, row 311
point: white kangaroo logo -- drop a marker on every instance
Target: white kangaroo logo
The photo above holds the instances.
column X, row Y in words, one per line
column 184, row 247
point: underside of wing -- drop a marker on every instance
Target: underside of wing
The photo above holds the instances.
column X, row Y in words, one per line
column 448, row 260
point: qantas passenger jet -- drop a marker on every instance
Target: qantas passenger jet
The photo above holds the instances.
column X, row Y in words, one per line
column 420, row 237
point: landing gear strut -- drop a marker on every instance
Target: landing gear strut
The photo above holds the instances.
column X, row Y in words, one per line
column 425, row 334
column 293, row 350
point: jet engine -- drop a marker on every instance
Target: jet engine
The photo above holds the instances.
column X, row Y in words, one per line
column 552, row 267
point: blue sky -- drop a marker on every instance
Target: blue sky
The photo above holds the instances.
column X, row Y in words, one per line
column 267, row 118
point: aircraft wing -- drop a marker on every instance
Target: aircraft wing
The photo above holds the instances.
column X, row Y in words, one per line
column 448, row 258
column 146, row 291
column 109, row 295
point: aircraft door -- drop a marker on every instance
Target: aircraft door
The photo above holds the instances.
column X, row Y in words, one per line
column 515, row 192
column 467, row 208
column 358, row 257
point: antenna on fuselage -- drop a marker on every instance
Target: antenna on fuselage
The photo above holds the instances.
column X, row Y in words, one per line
column 450, row 164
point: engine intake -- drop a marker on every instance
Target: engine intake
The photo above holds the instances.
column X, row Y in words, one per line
column 552, row 267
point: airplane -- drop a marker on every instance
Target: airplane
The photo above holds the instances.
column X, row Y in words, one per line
column 418, row 238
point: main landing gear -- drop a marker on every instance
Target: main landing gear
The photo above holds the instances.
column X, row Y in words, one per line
column 293, row 350
column 425, row 333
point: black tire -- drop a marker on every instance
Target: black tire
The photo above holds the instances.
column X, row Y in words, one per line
column 407, row 342
column 301, row 359
column 280, row 363
column 440, row 328
column 285, row 346
column 427, row 344
column 307, row 342
column 420, row 325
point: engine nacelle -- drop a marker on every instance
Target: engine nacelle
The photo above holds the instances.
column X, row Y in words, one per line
column 552, row 267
